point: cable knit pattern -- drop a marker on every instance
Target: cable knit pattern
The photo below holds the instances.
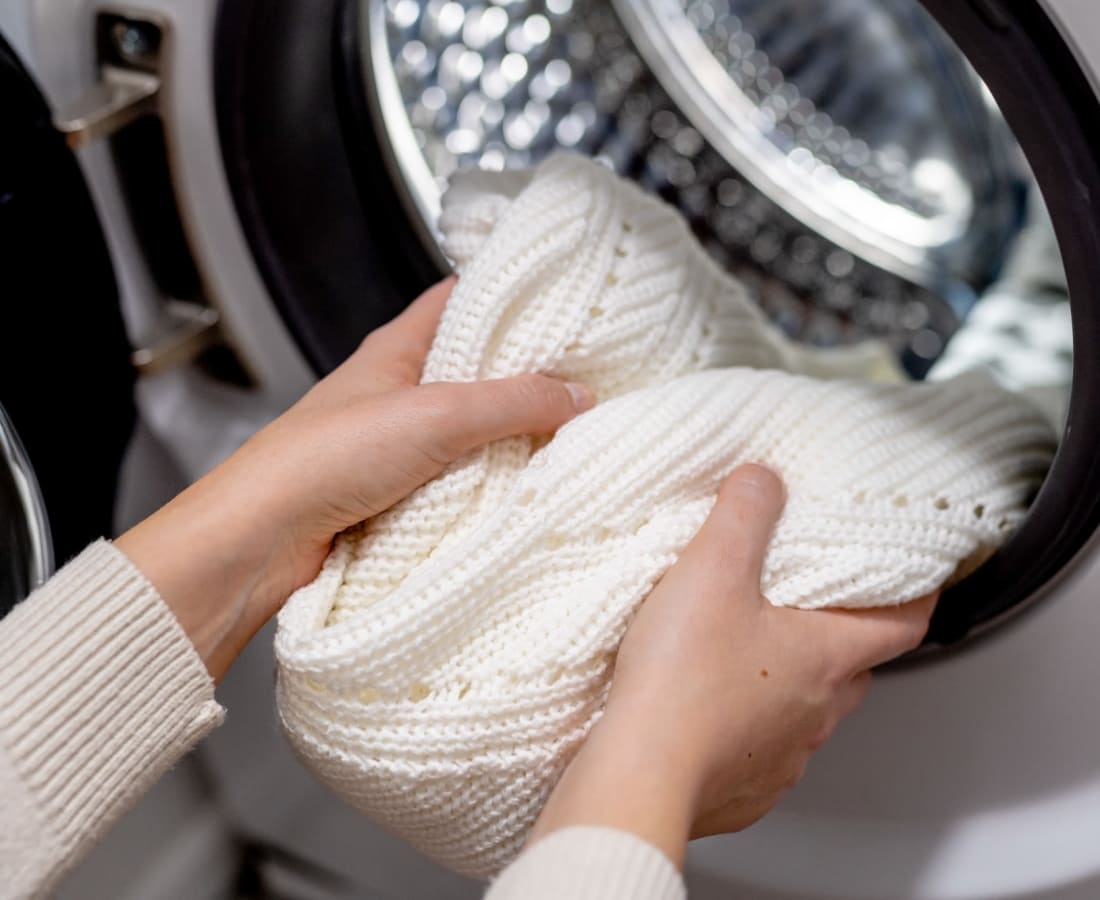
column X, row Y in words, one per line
column 452, row 654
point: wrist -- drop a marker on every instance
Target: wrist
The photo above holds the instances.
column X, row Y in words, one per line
column 623, row 779
column 209, row 556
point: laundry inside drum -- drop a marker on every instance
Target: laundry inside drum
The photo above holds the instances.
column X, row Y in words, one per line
column 841, row 157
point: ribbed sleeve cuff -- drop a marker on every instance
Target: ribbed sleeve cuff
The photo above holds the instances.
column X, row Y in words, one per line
column 589, row 863
column 101, row 692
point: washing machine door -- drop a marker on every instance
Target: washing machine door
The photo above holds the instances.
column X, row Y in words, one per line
column 66, row 382
column 846, row 158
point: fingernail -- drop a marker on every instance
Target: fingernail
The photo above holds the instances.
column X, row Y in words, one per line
column 583, row 396
column 761, row 474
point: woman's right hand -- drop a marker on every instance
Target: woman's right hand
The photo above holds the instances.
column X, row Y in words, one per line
column 719, row 698
column 260, row 525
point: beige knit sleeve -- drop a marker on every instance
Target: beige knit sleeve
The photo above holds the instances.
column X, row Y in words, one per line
column 100, row 693
column 589, row 863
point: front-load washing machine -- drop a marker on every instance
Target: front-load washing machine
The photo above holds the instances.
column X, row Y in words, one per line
column 267, row 175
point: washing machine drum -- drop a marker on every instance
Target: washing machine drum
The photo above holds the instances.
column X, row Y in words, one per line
column 867, row 167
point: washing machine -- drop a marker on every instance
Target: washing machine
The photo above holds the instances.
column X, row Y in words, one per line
column 258, row 181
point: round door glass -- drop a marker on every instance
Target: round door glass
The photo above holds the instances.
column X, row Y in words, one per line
column 841, row 157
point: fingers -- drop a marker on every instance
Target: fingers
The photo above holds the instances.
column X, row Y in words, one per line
column 474, row 414
column 395, row 352
column 875, row 636
column 739, row 527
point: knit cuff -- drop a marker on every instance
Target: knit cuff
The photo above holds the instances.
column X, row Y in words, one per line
column 102, row 692
column 590, row 863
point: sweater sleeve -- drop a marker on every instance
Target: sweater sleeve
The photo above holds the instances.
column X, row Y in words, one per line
column 100, row 693
column 589, row 863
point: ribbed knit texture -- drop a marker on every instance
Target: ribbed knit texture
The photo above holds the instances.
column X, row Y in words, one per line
column 454, row 652
column 588, row 863
column 101, row 693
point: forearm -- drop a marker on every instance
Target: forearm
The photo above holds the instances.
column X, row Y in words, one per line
column 615, row 827
column 211, row 554
column 589, row 863
column 100, row 693
column 200, row 579
column 617, row 781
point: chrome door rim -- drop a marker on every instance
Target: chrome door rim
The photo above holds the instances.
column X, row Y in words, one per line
column 39, row 562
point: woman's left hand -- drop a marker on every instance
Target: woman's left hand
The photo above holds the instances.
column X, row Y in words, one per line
column 227, row 552
column 719, row 699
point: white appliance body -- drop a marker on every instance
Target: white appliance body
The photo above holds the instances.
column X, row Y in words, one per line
column 970, row 777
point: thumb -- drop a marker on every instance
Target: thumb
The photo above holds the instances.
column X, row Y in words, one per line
column 876, row 636
column 483, row 411
column 739, row 528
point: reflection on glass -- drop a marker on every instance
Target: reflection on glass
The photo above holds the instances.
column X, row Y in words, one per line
column 1021, row 330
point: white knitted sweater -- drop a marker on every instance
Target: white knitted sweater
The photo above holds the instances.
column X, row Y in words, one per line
column 454, row 652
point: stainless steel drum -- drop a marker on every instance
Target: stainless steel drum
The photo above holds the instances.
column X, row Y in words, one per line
column 840, row 155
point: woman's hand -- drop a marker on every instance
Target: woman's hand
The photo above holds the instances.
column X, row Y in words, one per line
column 719, row 699
column 229, row 550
